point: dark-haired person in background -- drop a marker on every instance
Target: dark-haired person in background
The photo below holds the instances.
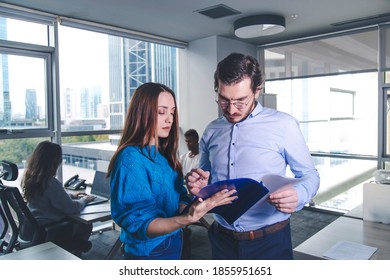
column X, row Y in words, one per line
column 47, row 198
column 250, row 141
column 190, row 159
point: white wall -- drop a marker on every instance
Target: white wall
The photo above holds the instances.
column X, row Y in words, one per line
column 198, row 62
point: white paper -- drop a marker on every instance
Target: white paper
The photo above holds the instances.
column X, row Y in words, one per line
column 98, row 208
column 347, row 250
column 274, row 182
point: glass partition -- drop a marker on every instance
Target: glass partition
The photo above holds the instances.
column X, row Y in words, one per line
column 337, row 114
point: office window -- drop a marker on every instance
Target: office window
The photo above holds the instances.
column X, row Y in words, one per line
column 99, row 73
column 26, row 86
column 24, row 31
column 339, row 54
column 341, row 103
column 342, row 181
column 387, row 121
column 331, row 86
column 335, row 122
column 333, row 111
column 89, row 151
column 386, row 41
column 18, row 150
column 23, row 91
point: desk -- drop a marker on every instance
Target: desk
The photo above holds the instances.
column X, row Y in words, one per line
column 349, row 229
column 356, row 212
column 99, row 217
column 94, row 217
column 44, row 251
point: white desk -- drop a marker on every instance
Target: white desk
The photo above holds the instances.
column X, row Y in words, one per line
column 99, row 217
column 356, row 212
column 94, row 217
column 44, row 251
column 349, row 229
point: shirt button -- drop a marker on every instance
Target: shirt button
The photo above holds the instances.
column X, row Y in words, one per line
column 233, row 144
column 231, row 164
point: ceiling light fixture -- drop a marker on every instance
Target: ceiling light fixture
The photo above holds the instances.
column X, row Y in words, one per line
column 259, row 25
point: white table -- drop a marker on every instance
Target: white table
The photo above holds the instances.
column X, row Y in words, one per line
column 347, row 229
column 44, row 251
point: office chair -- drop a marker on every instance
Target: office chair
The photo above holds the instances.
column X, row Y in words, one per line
column 21, row 229
column 9, row 172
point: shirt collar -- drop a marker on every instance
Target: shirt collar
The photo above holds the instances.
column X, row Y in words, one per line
column 257, row 110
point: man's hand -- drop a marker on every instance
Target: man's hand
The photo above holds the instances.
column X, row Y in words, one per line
column 197, row 179
column 285, row 199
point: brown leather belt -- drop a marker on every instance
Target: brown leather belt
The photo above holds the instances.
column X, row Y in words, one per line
column 250, row 235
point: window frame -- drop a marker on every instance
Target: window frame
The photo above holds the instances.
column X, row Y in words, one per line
column 34, row 51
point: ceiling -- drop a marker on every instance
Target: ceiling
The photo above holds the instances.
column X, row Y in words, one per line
column 179, row 19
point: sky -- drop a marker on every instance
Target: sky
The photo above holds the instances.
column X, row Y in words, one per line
column 83, row 62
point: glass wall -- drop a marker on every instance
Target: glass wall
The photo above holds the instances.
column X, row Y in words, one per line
column 71, row 85
column 100, row 72
column 333, row 111
column 331, row 86
column 24, row 91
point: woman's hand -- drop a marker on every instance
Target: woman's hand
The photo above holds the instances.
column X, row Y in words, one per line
column 196, row 179
column 201, row 207
column 161, row 226
column 90, row 198
column 87, row 197
column 77, row 195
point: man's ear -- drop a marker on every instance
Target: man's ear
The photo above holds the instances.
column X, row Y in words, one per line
column 257, row 92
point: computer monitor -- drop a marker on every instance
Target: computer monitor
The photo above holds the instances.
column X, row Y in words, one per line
column 101, row 185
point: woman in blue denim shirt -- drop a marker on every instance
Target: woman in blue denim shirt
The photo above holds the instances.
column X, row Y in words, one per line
column 146, row 179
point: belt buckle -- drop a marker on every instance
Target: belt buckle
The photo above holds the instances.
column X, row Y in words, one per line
column 251, row 235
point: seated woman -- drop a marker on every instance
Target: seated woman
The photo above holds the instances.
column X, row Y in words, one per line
column 48, row 200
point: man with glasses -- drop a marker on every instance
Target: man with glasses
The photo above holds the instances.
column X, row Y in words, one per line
column 250, row 141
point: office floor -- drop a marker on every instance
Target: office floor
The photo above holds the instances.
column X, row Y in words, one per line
column 304, row 224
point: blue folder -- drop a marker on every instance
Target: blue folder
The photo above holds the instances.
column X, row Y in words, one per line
column 249, row 192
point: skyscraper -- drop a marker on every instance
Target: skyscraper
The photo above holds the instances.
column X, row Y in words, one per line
column 5, row 111
column 31, row 104
column 133, row 63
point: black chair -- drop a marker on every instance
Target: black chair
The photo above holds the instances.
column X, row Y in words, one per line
column 21, row 229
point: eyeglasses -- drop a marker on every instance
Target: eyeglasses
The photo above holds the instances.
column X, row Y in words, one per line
column 226, row 103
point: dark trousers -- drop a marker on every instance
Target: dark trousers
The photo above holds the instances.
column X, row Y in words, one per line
column 76, row 241
column 274, row 246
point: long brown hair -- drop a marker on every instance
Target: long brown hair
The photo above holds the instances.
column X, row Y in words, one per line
column 141, row 125
column 41, row 166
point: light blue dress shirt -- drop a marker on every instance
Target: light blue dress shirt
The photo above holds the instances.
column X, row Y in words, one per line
column 263, row 143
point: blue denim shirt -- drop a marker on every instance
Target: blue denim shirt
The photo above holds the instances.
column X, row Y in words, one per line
column 143, row 187
column 263, row 143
